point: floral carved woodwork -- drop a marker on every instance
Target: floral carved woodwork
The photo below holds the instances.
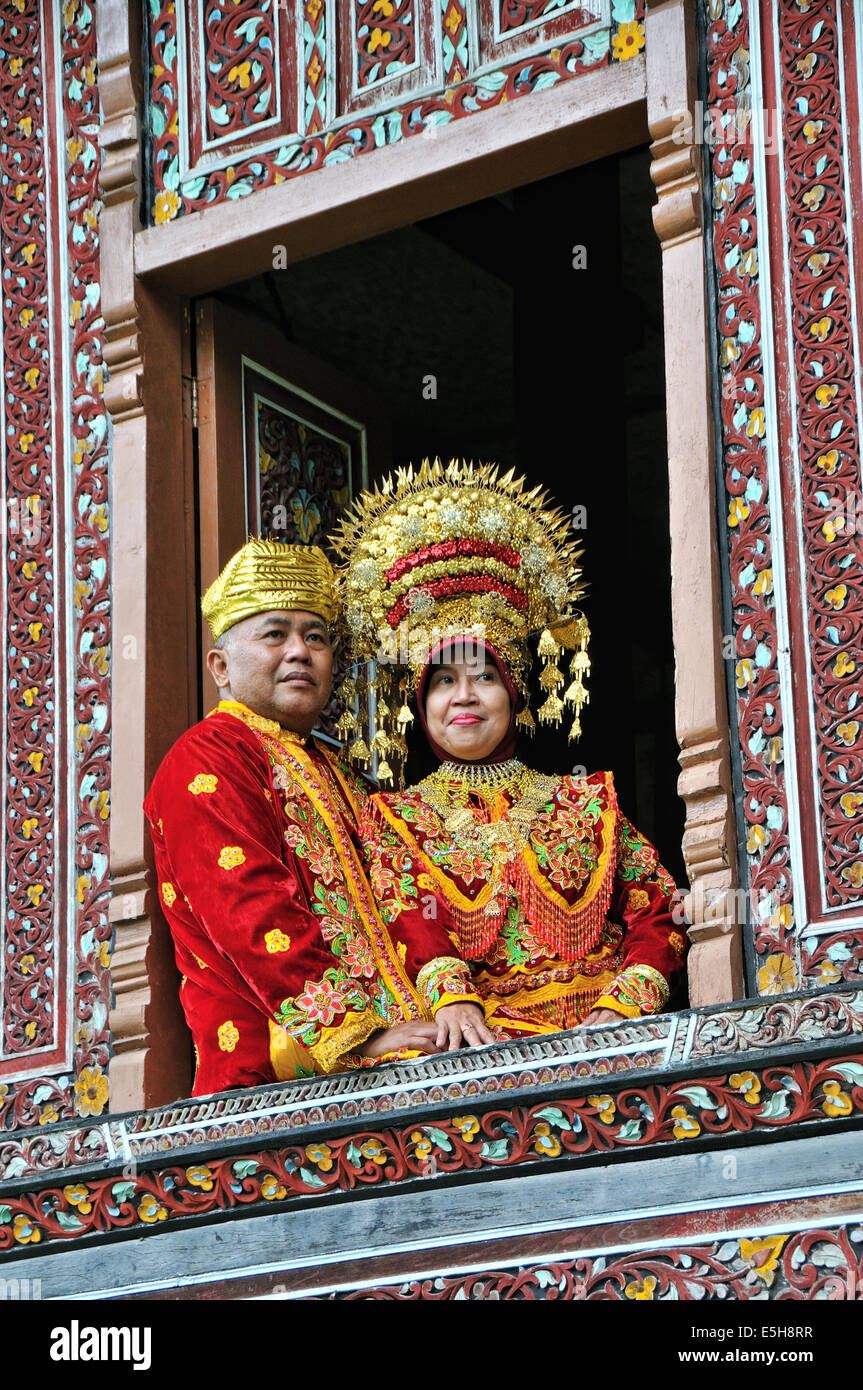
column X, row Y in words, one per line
column 379, row 46
column 822, row 1263
column 55, row 1035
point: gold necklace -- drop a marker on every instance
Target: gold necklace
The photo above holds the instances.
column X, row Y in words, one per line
column 447, row 793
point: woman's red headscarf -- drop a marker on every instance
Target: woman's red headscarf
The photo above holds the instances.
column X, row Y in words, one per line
column 506, row 748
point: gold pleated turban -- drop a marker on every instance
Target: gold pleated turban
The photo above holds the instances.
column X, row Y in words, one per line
column 267, row 575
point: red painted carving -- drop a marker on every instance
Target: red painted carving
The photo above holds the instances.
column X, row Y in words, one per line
column 760, row 714
column 822, row 1263
column 603, row 1121
column 827, row 438
column 385, row 37
column 239, row 66
column 33, row 1012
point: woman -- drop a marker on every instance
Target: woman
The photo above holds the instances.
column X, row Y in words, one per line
column 558, row 905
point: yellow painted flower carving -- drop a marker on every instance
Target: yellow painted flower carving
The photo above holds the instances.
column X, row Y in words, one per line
column 830, row 972
column 276, row 941
column 151, row 1210
column 821, row 327
column 272, row 1189
column 166, row 207
column 628, row 41
column 853, row 873
column 467, row 1126
column 230, row 856
column 848, row 732
column 604, row 1106
column 169, row 895
column 850, row 802
column 322, row 1156
column 764, row 583
column 374, row 1149
column 832, row 526
column 828, row 463
column 544, row 1142
column 744, row 671
column 91, row 1091
column 756, row 839
column 641, row 1288
column 737, row 512
column 748, row 1084
column 77, row 1195
column 24, row 1231
column 763, row 1255
column 836, row 596
column 843, row 665
column 381, row 38
column 200, row 1176
column 638, row 899
column 685, row 1126
column 778, row 975
column 242, row 74
column 203, row 782
column 836, row 1101
column 422, row 1145
column 228, row 1035
column 814, row 196
column 825, row 393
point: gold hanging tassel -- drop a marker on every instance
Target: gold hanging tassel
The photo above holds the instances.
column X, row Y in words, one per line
column 346, row 723
column 551, row 677
column 550, row 712
column 359, row 753
column 381, row 743
column 385, row 772
column 525, row 720
column 404, row 717
column 547, row 645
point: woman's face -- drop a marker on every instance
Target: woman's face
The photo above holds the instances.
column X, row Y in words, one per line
column 467, row 708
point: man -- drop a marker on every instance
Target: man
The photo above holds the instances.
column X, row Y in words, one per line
column 287, row 969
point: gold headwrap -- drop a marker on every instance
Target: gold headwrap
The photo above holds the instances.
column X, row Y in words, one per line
column 456, row 552
column 267, row 575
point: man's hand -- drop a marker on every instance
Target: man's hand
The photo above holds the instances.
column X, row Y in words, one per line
column 601, row 1016
column 461, row 1025
column 416, row 1036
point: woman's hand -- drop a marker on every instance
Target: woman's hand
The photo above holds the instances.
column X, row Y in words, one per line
column 415, row 1035
column 461, row 1025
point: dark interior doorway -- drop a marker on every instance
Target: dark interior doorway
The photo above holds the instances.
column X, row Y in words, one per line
column 539, row 316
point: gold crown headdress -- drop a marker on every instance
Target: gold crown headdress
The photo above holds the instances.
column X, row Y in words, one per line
column 265, row 575
column 455, row 552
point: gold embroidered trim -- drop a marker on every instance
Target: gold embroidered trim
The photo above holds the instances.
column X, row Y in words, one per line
column 439, row 963
column 352, row 1032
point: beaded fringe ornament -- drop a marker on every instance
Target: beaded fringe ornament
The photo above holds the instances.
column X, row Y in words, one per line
column 454, row 553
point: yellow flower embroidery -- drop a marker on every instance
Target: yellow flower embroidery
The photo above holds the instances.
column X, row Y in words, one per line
column 677, row 942
column 276, row 941
column 230, row 856
column 638, row 899
column 229, row 1036
column 748, row 1084
column 168, row 894
column 837, row 1102
column 203, row 782
column 628, row 41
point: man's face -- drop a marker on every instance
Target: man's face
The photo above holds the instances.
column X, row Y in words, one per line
column 279, row 664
